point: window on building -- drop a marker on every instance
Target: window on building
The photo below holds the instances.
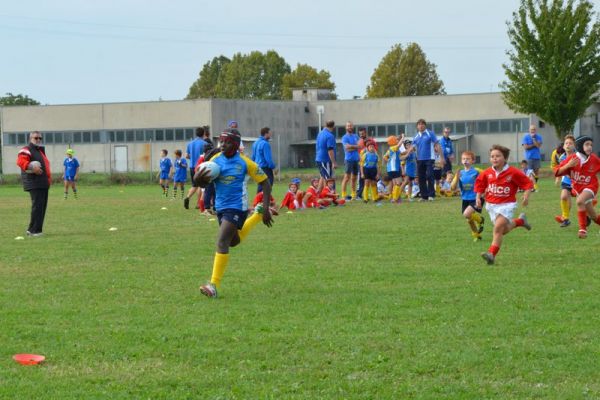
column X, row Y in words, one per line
column 340, row 131
column 450, row 125
column 77, row 138
column 495, row 126
column 460, row 128
column 381, row 131
column 371, row 130
column 169, row 135
column 516, row 125
column 179, row 135
column 189, row 134
column 401, row 129
column 149, row 135
column 129, row 136
column 482, row 127
column 313, row 131
column 160, row 134
column 57, row 137
column 95, row 137
column 22, row 138
column 505, row 125
column 86, row 137
column 120, row 136
column 139, row 135
column 392, row 130
column 437, row 127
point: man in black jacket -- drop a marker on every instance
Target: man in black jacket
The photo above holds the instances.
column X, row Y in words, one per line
column 36, row 180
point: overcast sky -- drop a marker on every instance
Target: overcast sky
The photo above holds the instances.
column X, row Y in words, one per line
column 78, row 51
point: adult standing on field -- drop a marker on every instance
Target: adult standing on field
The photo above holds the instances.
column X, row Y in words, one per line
column 36, row 180
column 427, row 145
column 351, row 159
column 261, row 155
column 193, row 151
column 325, row 153
column 532, row 143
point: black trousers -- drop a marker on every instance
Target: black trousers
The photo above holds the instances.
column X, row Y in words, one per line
column 39, row 202
column 426, row 181
column 270, row 176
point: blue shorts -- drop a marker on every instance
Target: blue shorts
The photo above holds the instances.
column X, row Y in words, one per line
column 566, row 186
column 164, row 175
column 370, row 173
column 351, row 167
column 236, row 217
column 70, row 178
column 467, row 203
column 325, row 169
column 394, row 174
column 179, row 180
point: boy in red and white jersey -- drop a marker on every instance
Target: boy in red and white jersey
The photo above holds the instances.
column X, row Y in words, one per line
column 582, row 167
column 500, row 184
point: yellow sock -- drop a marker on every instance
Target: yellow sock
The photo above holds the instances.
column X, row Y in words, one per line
column 219, row 265
column 366, row 193
column 396, row 193
column 476, row 217
column 374, row 193
column 564, row 208
column 353, row 194
column 344, row 194
column 438, row 190
column 535, row 186
column 250, row 223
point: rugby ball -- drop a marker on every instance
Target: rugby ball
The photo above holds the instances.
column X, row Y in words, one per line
column 213, row 169
column 32, row 165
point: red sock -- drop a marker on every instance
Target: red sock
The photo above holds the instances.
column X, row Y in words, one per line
column 582, row 218
column 597, row 220
column 518, row 221
column 201, row 204
column 494, row 249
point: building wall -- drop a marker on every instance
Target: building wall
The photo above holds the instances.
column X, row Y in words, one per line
column 289, row 120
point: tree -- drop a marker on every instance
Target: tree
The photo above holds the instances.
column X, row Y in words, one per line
column 17, row 100
column 405, row 72
column 305, row 76
column 205, row 85
column 554, row 66
column 246, row 76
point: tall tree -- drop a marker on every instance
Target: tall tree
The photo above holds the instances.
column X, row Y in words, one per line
column 17, row 100
column 405, row 72
column 554, row 67
column 205, row 85
column 245, row 76
column 305, row 76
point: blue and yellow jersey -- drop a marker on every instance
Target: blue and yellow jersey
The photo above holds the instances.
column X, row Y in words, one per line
column 466, row 182
column 180, row 170
column 566, row 180
column 231, row 188
column 370, row 160
column 71, row 165
column 393, row 159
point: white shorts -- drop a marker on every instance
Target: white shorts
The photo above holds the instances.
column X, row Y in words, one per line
column 507, row 210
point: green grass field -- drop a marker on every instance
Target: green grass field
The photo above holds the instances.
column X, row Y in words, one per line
column 355, row 302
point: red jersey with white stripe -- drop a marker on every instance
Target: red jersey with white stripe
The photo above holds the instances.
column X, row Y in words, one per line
column 583, row 175
column 501, row 187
